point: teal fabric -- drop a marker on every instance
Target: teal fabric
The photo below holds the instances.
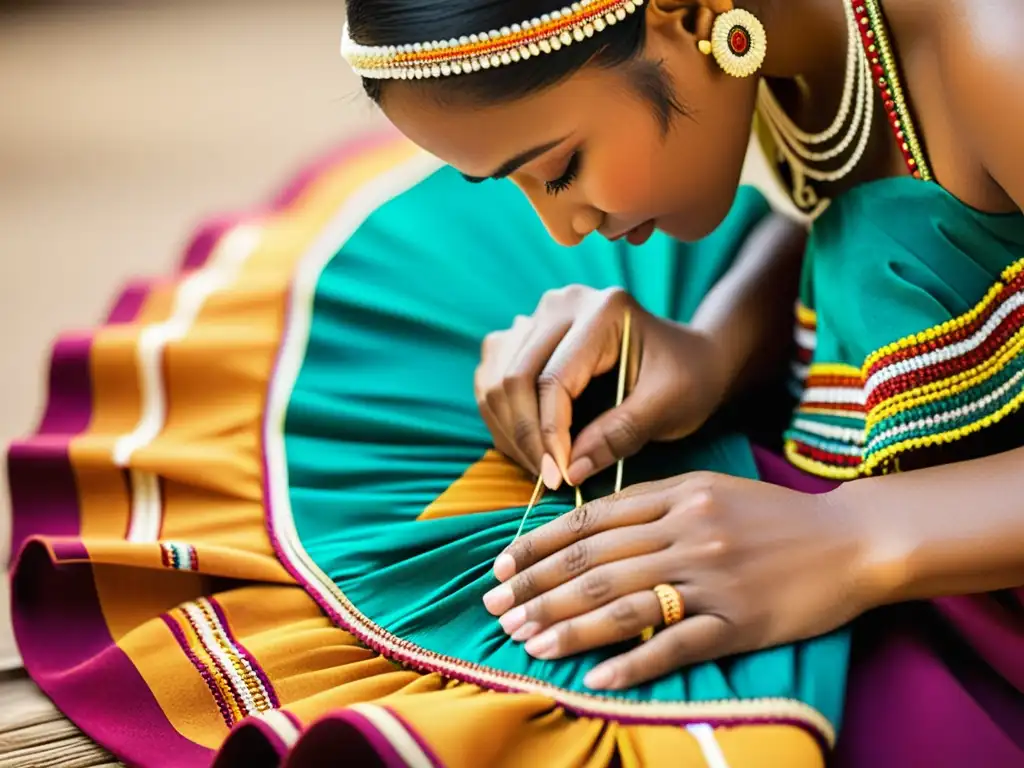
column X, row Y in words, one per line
column 382, row 420
column 888, row 260
column 896, row 256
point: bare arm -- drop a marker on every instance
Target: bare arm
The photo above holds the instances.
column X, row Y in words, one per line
column 749, row 312
column 960, row 528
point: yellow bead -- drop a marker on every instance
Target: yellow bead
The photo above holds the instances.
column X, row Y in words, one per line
column 704, row 46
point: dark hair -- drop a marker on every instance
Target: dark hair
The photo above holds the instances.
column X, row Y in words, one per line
column 397, row 22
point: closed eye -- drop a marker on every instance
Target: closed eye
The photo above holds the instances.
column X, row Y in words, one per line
column 565, row 181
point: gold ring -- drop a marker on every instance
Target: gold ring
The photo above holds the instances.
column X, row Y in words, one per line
column 671, row 608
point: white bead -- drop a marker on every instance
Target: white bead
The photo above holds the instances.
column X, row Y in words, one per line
column 534, row 49
column 599, row 24
column 630, row 8
column 493, row 34
column 556, row 15
column 485, row 63
column 546, row 17
column 514, row 54
column 588, row 30
column 506, row 59
column 417, row 48
column 495, row 61
column 620, row 13
column 474, row 38
column 544, row 46
column 578, row 35
column 566, row 12
column 524, row 53
column 475, row 65
column 446, row 70
column 456, row 68
column 516, row 28
column 610, row 18
column 566, row 37
column 505, row 31
column 534, row 22
column 556, row 44
column 577, row 7
column 464, row 40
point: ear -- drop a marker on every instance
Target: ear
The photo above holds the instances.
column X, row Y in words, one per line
column 686, row 21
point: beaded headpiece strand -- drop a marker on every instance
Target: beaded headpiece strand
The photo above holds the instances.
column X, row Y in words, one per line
column 484, row 50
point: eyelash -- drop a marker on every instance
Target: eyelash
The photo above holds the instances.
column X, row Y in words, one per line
column 565, row 181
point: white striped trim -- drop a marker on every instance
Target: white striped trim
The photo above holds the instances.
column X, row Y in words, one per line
column 953, row 415
column 830, row 431
column 219, row 272
column 852, row 395
column 806, row 338
column 282, row 726
column 398, row 737
column 214, row 639
column 951, row 351
column 709, row 746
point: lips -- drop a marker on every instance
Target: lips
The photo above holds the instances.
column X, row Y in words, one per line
column 640, row 234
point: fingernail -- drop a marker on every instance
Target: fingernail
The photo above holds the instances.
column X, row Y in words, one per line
column 580, row 470
column 513, row 620
column 499, row 600
column 599, row 677
column 525, row 632
column 504, row 567
column 542, row 646
column 549, row 471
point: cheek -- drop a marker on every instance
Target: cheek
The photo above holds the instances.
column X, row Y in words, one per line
column 624, row 179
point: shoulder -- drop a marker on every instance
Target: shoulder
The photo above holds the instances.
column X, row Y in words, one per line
column 981, row 63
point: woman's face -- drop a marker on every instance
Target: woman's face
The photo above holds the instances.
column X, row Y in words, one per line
column 591, row 153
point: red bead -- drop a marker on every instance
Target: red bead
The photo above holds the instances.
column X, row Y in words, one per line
column 886, row 94
column 917, row 174
column 877, row 69
column 739, row 41
column 890, row 104
column 899, row 135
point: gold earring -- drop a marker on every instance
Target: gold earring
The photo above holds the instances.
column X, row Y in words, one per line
column 738, row 42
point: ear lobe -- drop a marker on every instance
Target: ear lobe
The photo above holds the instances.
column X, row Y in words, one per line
column 690, row 18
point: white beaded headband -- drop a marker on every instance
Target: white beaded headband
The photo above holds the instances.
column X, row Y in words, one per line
column 498, row 47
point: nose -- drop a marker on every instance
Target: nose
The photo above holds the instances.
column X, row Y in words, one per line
column 567, row 221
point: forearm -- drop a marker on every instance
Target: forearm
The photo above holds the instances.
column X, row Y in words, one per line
column 955, row 529
column 749, row 312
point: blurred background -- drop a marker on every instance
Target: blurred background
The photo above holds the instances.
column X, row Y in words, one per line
column 122, row 124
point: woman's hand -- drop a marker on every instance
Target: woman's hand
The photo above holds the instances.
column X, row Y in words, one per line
column 757, row 565
column 530, row 374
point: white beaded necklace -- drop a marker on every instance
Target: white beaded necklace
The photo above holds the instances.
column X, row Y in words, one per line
column 794, row 144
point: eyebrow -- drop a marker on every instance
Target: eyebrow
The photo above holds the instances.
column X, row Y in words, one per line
column 511, row 166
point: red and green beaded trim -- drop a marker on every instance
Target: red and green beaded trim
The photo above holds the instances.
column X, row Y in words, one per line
column 871, row 24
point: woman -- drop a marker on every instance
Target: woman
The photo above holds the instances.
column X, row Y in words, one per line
column 621, row 119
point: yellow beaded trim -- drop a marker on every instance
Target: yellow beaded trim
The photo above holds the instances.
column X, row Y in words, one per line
column 805, row 315
column 950, row 325
column 927, row 393
column 949, row 387
column 671, row 604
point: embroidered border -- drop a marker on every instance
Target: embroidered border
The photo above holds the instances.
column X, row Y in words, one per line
column 237, row 682
column 934, row 387
column 178, row 556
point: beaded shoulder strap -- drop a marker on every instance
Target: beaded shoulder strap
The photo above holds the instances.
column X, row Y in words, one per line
column 875, row 37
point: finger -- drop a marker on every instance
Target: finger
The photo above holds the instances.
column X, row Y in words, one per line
column 593, row 589
column 699, row 638
column 520, row 388
column 618, row 621
column 494, row 424
column 589, row 349
column 639, row 504
column 563, row 567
